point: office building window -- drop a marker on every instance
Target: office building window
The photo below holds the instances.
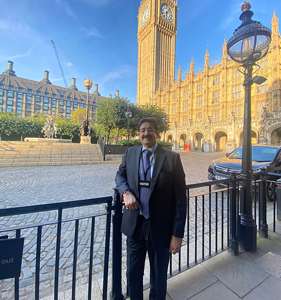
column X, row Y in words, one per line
column 19, row 103
column 10, row 101
column 37, row 104
column 1, row 100
column 54, row 106
column 28, row 103
column 75, row 104
column 46, row 104
column 61, row 106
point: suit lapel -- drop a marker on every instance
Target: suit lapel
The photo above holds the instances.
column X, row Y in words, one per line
column 159, row 159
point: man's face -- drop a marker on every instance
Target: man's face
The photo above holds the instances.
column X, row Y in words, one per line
column 147, row 135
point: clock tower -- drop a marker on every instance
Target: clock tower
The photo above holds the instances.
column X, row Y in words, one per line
column 157, row 21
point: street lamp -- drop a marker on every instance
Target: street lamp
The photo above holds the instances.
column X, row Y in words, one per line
column 128, row 115
column 249, row 43
column 85, row 131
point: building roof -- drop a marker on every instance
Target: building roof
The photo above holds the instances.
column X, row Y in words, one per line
column 9, row 79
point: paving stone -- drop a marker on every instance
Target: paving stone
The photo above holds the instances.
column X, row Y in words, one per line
column 271, row 263
column 235, row 273
column 270, row 289
column 215, row 292
column 190, row 283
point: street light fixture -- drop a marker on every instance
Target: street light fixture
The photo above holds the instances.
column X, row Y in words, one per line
column 249, row 43
column 128, row 115
column 85, row 130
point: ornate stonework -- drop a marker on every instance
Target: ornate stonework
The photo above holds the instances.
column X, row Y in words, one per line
column 205, row 109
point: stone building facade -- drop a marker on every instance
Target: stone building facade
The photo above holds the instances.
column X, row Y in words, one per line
column 26, row 97
column 205, row 109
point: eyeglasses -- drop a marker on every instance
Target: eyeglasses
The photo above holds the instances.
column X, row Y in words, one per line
column 149, row 130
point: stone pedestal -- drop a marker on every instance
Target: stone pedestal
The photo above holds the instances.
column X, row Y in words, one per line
column 85, row 139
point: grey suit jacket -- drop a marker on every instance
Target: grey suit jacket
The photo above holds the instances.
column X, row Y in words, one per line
column 167, row 194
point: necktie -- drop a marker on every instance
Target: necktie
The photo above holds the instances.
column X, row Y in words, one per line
column 146, row 163
column 145, row 174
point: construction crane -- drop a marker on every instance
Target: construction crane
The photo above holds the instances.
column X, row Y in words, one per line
column 59, row 63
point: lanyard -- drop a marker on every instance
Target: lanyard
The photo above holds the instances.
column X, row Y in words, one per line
column 145, row 172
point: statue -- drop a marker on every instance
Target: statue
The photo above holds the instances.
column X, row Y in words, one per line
column 49, row 130
column 84, row 128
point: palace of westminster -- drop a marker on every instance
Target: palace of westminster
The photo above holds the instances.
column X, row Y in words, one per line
column 204, row 109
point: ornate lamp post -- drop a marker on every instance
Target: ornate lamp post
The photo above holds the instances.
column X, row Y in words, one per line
column 128, row 115
column 249, row 43
column 85, row 130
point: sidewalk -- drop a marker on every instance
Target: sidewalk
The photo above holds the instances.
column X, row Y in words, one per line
column 249, row 276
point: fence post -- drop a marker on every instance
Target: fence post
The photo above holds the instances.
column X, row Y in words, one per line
column 116, row 293
column 233, row 216
column 263, row 226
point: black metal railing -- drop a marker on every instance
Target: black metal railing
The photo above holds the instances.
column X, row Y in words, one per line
column 266, row 203
column 91, row 236
column 211, row 223
column 80, row 230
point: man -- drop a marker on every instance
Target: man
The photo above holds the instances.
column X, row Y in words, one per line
column 151, row 181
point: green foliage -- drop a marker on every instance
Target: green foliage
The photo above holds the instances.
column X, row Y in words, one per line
column 14, row 127
column 129, row 143
column 78, row 116
column 157, row 113
column 66, row 129
column 112, row 119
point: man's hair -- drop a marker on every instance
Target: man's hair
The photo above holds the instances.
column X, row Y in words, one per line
column 152, row 121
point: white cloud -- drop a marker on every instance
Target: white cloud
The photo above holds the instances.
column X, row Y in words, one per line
column 91, row 32
column 4, row 58
column 122, row 72
column 96, row 2
column 67, row 9
column 69, row 64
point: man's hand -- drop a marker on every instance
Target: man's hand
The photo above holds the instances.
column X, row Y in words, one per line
column 175, row 244
column 130, row 201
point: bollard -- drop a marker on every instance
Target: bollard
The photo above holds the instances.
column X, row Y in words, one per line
column 278, row 198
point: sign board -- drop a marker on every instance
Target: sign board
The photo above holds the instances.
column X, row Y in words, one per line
column 10, row 257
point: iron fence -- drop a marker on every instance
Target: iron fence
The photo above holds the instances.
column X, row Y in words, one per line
column 212, row 226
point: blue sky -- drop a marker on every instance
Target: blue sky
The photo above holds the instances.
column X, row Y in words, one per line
column 98, row 38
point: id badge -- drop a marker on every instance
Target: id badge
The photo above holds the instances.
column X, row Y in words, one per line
column 144, row 183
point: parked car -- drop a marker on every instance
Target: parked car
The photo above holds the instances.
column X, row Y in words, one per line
column 265, row 158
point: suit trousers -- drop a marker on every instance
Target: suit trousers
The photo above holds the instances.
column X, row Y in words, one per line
column 137, row 247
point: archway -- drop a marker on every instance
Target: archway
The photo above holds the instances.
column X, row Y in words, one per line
column 170, row 138
column 276, row 136
column 254, row 138
column 220, row 140
column 198, row 139
column 182, row 140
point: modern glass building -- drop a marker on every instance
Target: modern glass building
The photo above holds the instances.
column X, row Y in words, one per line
column 26, row 97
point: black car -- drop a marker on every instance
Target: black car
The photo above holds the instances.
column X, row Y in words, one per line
column 264, row 158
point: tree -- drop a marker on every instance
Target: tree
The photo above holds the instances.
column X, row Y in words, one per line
column 78, row 116
column 106, row 117
column 150, row 111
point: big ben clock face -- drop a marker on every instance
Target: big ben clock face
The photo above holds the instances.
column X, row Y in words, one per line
column 167, row 13
column 145, row 16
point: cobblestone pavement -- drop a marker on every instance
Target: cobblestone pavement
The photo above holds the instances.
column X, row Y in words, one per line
column 38, row 185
